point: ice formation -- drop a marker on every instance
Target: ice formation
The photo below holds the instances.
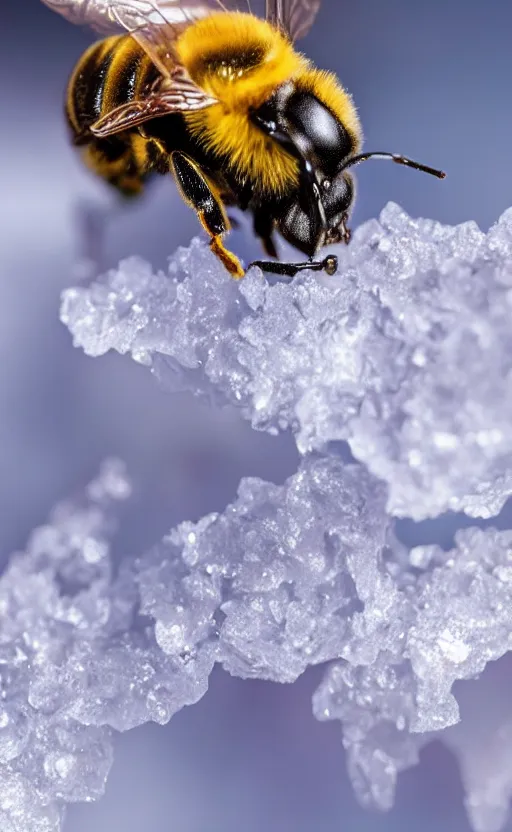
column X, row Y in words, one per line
column 405, row 355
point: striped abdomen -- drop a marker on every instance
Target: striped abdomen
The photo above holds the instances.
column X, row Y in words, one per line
column 112, row 72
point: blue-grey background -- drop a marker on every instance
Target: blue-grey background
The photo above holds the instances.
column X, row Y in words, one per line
column 431, row 80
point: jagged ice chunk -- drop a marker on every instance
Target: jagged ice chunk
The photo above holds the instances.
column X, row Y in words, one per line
column 406, row 353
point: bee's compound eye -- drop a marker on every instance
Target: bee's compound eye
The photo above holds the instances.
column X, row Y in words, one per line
column 331, row 264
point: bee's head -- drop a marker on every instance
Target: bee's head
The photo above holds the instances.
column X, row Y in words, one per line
column 325, row 148
column 302, row 226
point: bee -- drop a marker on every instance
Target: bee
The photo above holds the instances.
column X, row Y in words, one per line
column 222, row 100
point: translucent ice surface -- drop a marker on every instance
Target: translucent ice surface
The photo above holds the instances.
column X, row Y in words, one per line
column 406, row 353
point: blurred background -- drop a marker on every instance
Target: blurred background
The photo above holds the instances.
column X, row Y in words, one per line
column 430, row 80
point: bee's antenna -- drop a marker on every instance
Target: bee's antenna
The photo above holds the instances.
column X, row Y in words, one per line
column 394, row 157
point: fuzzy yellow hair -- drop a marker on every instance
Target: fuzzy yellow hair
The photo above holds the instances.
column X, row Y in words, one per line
column 235, row 33
column 226, row 128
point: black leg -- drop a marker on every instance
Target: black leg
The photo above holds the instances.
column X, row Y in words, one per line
column 264, row 229
column 329, row 265
column 198, row 193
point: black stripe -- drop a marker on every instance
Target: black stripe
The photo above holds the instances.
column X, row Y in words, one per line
column 125, row 83
column 94, row 97
column 90, row 84
column 81, row 85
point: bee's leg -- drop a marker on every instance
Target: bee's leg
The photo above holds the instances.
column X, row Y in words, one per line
column 198, row 193
column 329, row 265
column 263, row 225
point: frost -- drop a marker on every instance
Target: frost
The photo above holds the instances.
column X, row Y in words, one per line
column 453, row 618
column 73, row 662
column 406, row 355
column 274, row 583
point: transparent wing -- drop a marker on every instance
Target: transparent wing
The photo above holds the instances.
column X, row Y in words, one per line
column 104, row 15
column 155, row 25
column 181, row 95
column 91, row 12
column 295, row 17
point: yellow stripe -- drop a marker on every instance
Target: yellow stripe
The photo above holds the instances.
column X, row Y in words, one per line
column 140, row 156
column 85, row 67
column 106, row 168
column 123, row 51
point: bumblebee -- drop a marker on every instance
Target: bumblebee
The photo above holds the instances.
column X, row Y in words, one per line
column 222, row 100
